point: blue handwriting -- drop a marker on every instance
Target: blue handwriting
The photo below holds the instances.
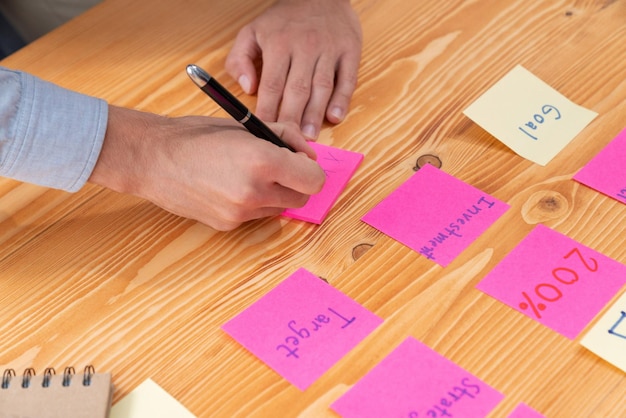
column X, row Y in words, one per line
column 453, row 396
column 539, row 119
column 614, row 327
column 297, row 334
column 454, row 228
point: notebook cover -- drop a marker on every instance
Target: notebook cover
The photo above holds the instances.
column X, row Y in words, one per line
column 56, row 400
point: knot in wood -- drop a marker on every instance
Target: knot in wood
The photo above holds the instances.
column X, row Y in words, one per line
column 427, row 159
column 543, row 206
column 360, row 250
column 549, row 204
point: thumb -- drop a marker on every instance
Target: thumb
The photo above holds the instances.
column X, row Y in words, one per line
column 298, row 172
column 240, row 62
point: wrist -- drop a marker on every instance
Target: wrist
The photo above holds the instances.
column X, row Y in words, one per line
column 122, row 156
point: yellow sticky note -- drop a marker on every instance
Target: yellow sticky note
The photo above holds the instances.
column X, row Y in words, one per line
column 149, row 400
column 607, row 338
column 529, row 116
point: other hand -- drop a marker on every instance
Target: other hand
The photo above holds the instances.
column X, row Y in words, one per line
column 309, row 51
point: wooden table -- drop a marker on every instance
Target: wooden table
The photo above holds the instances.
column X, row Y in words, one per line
column 106, row 279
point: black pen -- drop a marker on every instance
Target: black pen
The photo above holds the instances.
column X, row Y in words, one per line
column 234, row 107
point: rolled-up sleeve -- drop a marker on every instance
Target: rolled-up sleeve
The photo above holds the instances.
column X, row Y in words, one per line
column 48, row 135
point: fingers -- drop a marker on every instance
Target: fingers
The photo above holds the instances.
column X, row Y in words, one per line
column 323, row 83
column 344, row 88
column 240, row 62
column 302, row 90
column 288, row 185
column 309, row 52
column 299, row 174
column 291, row 134
column 276, row 64
column 227, row 221
column 307, row 91
column 273, row 177
column 307, row 88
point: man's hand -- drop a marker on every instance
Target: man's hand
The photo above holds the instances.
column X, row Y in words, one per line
column 208, row 169
column 310, row 52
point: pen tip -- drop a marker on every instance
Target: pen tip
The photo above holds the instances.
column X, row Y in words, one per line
column 198, row 75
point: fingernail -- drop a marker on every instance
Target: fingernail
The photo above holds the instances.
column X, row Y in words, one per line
column 337, row 112
column 309, row 131
column 244, row 82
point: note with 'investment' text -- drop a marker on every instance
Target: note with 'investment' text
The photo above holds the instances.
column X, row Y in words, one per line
column 435, row 214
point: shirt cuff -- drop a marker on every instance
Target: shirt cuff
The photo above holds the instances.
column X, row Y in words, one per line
column 57, row 135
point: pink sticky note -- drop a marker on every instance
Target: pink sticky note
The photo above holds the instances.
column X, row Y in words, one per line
column 555, row 280
column 413, row 382
column 524, row 411
column 339, row 166
column 606, row 172
column 435, row 214
column 302, row 327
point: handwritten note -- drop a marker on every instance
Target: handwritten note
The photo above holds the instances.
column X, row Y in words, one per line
column 435, row 214
column 149, row 400
column 524, row 411
column 302, row 327
column 339, row 166
column 555, row 280
column 529, row 116
column 607, row 338
column 606, row 172
column 414, row 382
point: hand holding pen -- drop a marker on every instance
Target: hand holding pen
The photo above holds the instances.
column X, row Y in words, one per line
column 233, row 106
column 206, row 168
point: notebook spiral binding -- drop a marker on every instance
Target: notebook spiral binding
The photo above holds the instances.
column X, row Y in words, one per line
column 9, row 374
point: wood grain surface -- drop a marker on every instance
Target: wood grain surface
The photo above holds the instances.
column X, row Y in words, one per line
column 101, row 278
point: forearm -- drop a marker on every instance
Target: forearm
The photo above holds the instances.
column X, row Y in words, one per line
column 48, row 135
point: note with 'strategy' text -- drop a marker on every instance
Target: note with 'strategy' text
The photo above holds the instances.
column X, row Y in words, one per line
column 435, row 214
column 606, row 172
column 414, row 382
column 339, row 165
column 529, row 116
column 302, row 327
column 607, row 337
column 524, row 411
column 555, row 280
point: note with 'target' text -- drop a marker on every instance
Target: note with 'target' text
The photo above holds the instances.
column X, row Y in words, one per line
column 302, row 327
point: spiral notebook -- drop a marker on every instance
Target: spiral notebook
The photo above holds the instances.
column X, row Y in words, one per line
column 51, row 395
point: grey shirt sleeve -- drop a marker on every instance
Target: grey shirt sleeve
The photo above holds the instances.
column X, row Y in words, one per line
column 49, row 136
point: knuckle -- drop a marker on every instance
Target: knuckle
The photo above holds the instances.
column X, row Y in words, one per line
column 242, row 199
column 324, row 81
column 234, row 217
column 348, row 83
column 300, row 86
column 273, row 85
